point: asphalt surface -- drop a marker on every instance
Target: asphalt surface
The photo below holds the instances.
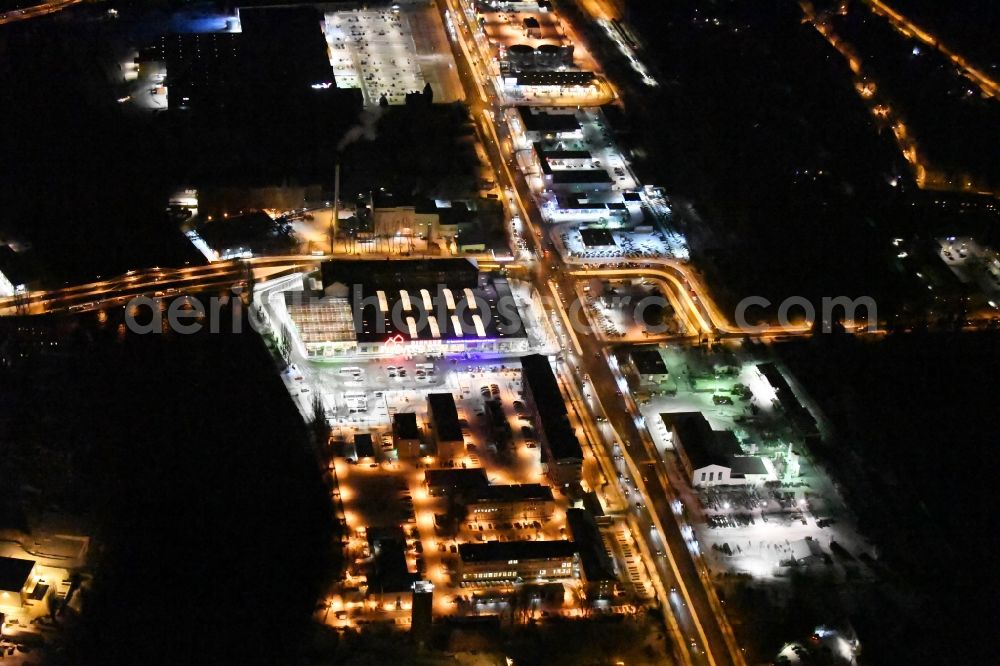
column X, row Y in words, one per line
column 692, row 593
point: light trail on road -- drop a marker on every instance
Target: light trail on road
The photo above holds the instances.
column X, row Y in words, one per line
column 988, row 86
column 36, row 11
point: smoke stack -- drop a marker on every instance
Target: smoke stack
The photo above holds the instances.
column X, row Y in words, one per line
column 334, row 223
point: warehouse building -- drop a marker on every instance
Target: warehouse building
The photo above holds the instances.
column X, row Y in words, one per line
column 648, row 365
column 712, row 458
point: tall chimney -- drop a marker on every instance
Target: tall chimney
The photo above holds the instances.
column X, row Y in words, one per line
column 335, row 222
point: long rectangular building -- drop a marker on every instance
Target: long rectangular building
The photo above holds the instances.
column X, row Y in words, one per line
column 561, row 450
column 454, row 480
column 596, row 564
column 509, row 562
column 444, row 421
column 374, row 307
column 526, row 501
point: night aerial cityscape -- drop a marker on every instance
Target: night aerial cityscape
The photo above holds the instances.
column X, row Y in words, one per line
column 499, row 332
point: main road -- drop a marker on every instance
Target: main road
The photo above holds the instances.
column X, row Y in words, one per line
column 693, row 605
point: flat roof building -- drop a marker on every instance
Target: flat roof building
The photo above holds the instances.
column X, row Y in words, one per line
column 560, row 79
column 406, row 435
column 498, row 426
column 363, row 446
column 15, row 581
column 511, row 502
column 389, row 577
column 578, row 180
column 713, row 457
column 246, row 235
column 444, row 422
column 648, row 365
column 374, row 307
column 280, row 52
column 800, row 417
column 441, row 482
column 596, row 565
column 512, row 562
column 561, row 450
column 538, row 123
column 597, row 237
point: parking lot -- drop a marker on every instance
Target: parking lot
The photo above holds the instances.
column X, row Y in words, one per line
column 391, row 52
column 972, row 263
column 619, row 317
column 626, row 244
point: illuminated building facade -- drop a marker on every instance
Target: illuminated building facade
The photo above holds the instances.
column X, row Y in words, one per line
column 509, row 562
column 382, row 308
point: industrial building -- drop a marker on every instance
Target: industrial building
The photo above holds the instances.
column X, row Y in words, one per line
column 280, row 52
column 526, row 501
column 376, row 307
column 394, row 216
column 509, row 562
column 241, row 236
column 648, row 365
column 562, row 455
column 797, row 413
column 713, row 458
column 539, row 123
